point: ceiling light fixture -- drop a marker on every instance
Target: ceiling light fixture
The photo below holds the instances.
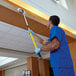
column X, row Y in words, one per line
column 6, row 60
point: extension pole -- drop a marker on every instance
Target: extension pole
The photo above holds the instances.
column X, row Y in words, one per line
column 39, row 55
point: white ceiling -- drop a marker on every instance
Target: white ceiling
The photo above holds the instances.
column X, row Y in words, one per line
column 68, row 16
column 15, row 38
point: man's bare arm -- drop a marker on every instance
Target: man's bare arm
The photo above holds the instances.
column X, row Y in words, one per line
column 40, row 40
column 51, row 46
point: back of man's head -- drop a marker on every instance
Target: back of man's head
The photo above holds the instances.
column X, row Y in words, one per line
column 55, row 20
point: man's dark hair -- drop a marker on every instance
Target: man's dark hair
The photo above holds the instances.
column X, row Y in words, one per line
column 55, row 20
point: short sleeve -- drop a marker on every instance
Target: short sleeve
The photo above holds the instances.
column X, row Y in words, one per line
column 49, row 40
column 55, row 32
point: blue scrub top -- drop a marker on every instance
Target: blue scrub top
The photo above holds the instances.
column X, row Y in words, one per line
column 60, row 58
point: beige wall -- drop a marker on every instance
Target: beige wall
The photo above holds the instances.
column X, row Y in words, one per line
column 17, row 71
column 73, row 53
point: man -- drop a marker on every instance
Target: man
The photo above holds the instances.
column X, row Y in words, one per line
column 60, row 58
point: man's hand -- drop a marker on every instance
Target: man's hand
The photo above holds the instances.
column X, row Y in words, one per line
column 39, row 39
column 45, row 42
column 30, row 31
column 37, row 51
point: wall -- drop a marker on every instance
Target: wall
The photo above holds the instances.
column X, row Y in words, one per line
column 73, row 53
column 17, row 71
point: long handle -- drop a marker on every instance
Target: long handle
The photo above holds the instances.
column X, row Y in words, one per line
column 39, row 55
column 33, row 40
column 32, row 36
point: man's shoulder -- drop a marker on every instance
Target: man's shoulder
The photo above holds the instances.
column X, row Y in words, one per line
column 57, row 28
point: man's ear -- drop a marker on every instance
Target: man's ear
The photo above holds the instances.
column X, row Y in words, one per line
column 50, row 22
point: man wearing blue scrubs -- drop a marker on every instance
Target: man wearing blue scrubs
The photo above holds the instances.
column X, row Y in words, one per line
column 60, row 58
